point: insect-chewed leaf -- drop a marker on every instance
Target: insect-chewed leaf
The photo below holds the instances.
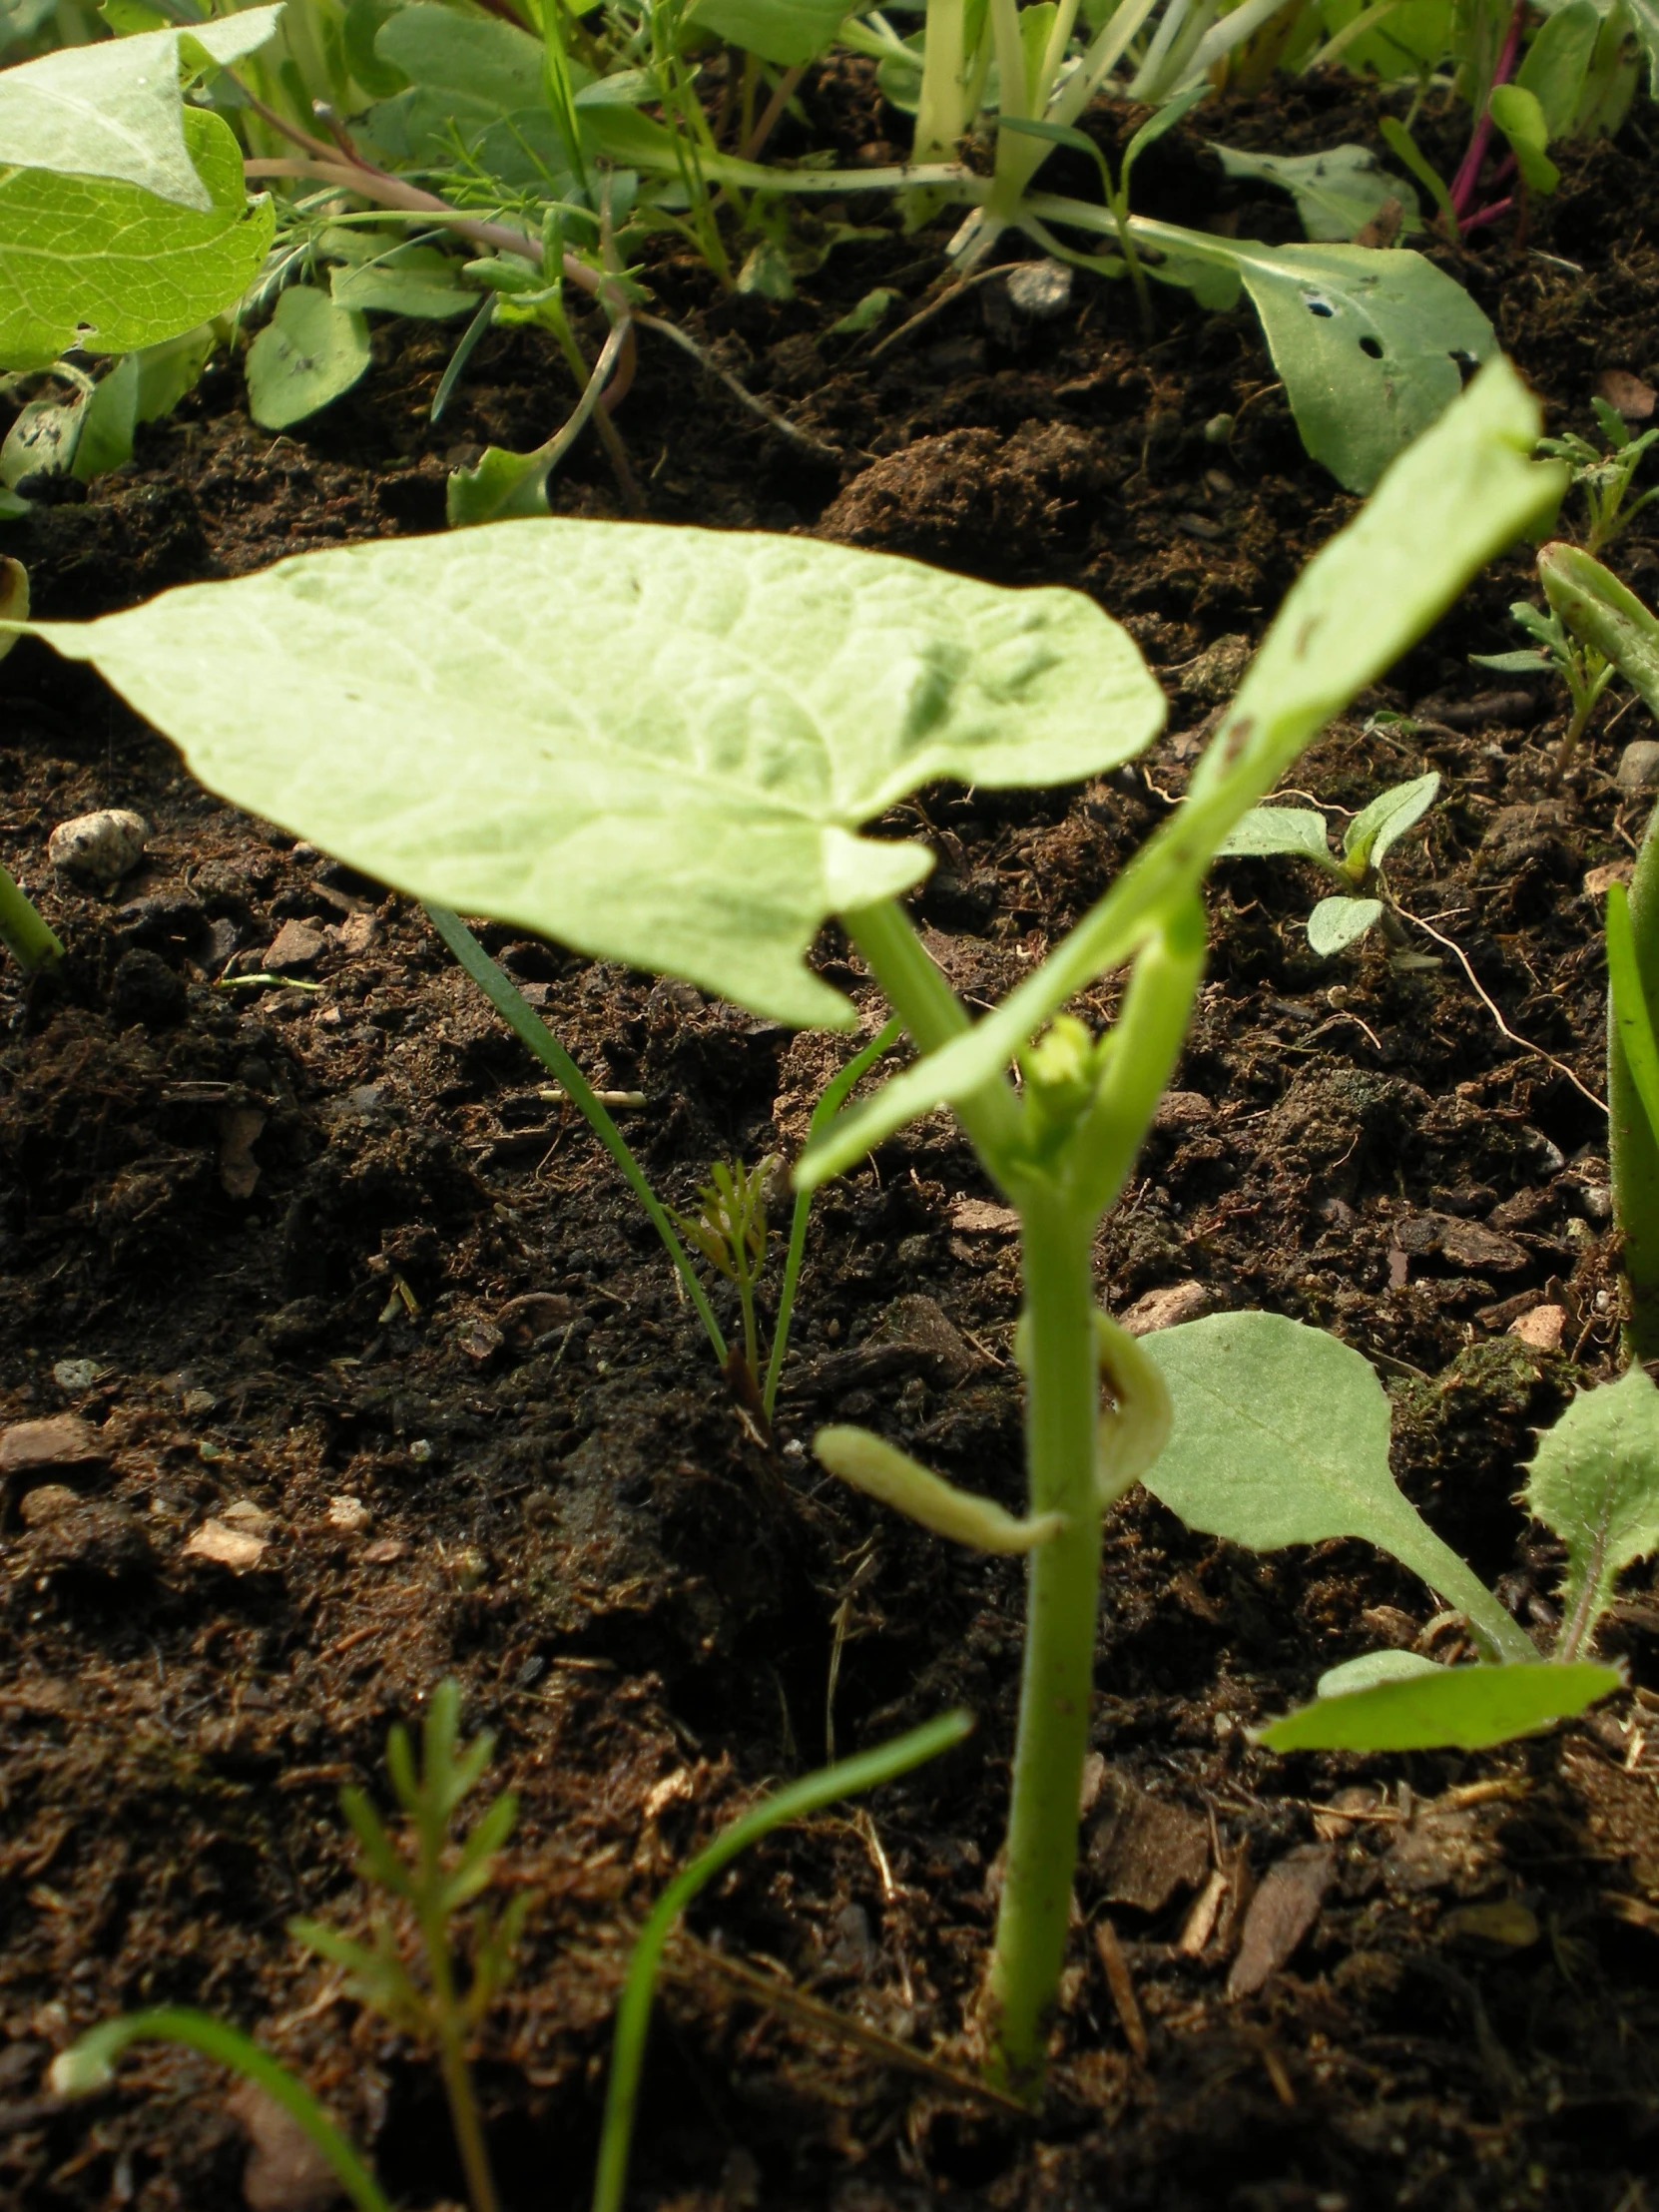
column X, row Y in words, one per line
column 1268, row 829
column 113, row 108
column 657, row 745
column 1281, row 1436
column 1370, row 344
column 1336, row 924
column 1596, row 1482
column 102, row 263
column 1462, row 1706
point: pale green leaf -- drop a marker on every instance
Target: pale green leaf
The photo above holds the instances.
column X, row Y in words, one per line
column 1337, row 922
column 104, row 265
column 787, row 31
column 1267, row 830
column 168, row 371
column 501, row 486
column 417, row 281
column 657, row 745
column 109, row 421
column 1596, row 1482
column 1460, row 1707
column 1522, row 662
column 42, row 441
column 1463, row 493
column 1519, row 117
column 1281, row 1436
column 871, row 309
column 310, row 351
column 1373, row 1667
column 1370, row 344
column 1377, row 827
column 113, row 108
column 1644, row 14
column 1336, row 193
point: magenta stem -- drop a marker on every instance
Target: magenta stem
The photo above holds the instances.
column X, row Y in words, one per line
column 1484, row 216
column 1464, row 183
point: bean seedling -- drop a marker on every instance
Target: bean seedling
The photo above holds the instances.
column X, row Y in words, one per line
column 705, row 820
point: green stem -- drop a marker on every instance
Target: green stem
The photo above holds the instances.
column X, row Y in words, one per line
column 633, row 2015
column 528, row 1026
column 1057, row 1681
column 933, row 1015
column 452, row 2065
column 26, row 937
column 828, row 1106
column 1632, row 1143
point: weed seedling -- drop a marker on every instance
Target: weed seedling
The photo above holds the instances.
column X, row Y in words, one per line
column 408, row 1973
column 706, row 819
column 1363, row 899
column 1605, row 478
column 1556, row 651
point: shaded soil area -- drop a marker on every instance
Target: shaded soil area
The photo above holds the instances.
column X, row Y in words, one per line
column 380, row 1376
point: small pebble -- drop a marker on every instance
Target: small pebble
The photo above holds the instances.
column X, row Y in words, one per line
column 47, row 1503
column 1541, row 1329
column 1040, row 290
column 251, row 1520
column 296, row 945
column 60, row 1443
column 350, row 1515
column 1597, row 1202
column 1638, row 768
column 1178, row 1302
column 75, row 1375
column 99, row 848
column 225, row 1547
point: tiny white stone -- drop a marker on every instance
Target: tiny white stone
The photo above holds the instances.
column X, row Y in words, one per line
column 350, row 1515
column 1040, row 290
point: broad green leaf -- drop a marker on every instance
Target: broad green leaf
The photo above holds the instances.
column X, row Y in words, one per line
column 1557, row 63
column 1337, row 922
column 1377, row 827
column 168, row 371
column 788, row 31
column 473, row 78
column 1596, row 1482
column 1644, row 14
column 1335, row 194
column 1514, row 664
column 657, row 745
column 503, row 486
column 1462, row 1707
column 1605, row 614
column 479, row 60
column 1370, row 344
column 418, row 281
column 1281, row 1436
column 1519, row 117
column 1268, row 829
column 113, row 108
column 1373, row 1667
column 310, row 351
column 106, row 267
column 1402, row 41
column 1461, row 494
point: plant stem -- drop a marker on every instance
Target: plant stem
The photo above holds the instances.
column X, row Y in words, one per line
column 1061, row 1415
column 1464, row 183
column 26, row 937
column 526, row 1024
column 1632, row 1143
column 457, row 2079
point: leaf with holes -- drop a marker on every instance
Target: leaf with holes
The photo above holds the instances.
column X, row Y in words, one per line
column 1372, row 346
column 658, row 745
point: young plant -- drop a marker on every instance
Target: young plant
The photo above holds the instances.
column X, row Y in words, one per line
column 1609, row 621
column 730, row 1230
column 32, row 944
column 1363, row 899
column 1281, row 1436
column 1556, row 651
column 1605, row 478
column 430, row 1889
column 705, row 819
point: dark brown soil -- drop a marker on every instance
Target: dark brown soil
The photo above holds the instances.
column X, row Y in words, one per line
column 565, row 1510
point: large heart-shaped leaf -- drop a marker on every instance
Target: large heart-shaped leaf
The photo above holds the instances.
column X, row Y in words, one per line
column 113, row 108
column 1281, row 1436
column 101, row 265
column 658, row 745
column 1336, row 193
